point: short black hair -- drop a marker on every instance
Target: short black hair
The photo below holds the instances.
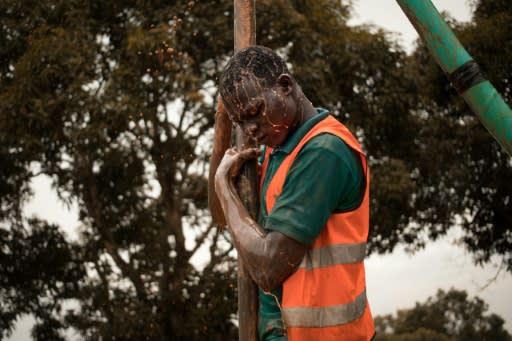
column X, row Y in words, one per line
column 258, row 61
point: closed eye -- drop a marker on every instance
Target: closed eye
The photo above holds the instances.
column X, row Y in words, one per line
column 251, row 114
column 258, row 111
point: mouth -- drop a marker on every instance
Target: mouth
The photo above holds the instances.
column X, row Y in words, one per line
column 259, row 138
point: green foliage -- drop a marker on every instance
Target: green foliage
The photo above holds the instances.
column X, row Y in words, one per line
column 420, row 334
column 447, row 316
column 85, row 99
column 464, row 174
column 39, row 272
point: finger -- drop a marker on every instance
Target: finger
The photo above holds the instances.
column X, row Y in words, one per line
column 249, row 153
column 241, row 158
column 231, row 151
column 236, row 168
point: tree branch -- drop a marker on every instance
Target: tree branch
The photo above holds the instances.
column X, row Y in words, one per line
column 104, row 280
column 200, row 240
column 92, row 200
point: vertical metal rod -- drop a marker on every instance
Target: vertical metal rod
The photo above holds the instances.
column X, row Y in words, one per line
column 247, row 186
column 463, row 72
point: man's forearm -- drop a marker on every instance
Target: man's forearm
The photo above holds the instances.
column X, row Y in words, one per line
column 270, row 257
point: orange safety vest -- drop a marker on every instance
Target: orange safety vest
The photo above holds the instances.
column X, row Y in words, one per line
column 325, row 299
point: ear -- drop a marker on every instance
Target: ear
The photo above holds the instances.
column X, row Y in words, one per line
column 285, row 82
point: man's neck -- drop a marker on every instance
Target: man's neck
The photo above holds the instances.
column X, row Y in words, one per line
column 306, row 110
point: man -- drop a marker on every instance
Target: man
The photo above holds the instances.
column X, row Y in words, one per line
column 306, row 250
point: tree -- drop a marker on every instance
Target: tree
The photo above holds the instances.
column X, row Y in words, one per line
column 420, row 334
column 463, row 174
column 449, row 315
column 86, row 96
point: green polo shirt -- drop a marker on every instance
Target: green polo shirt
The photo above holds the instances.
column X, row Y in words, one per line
column 326, row 176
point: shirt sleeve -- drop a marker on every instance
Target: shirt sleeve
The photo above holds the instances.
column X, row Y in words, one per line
column 325, row 176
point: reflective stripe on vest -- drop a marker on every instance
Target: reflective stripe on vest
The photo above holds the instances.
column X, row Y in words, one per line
column 333, row 255
column 308, row 317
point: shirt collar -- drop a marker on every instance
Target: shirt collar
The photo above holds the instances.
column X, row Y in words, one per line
column 292, row 141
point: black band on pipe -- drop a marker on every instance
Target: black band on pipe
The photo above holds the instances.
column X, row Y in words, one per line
column 466, row 76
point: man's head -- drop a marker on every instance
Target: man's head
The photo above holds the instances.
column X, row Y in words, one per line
column 260, row 94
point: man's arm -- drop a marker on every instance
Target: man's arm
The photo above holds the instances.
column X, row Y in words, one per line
column 270, row 257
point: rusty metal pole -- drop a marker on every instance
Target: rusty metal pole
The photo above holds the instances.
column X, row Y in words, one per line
column 245, row 35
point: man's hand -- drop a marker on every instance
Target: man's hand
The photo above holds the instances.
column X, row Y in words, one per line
column 231, row 166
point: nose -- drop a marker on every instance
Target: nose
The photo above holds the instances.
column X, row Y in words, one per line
column 250, row 128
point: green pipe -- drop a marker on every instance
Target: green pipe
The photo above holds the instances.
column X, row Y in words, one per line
column 458, row 65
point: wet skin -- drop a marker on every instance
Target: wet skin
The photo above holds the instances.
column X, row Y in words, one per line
column 269, row 115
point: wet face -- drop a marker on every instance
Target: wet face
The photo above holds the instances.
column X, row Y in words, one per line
column 268, row 115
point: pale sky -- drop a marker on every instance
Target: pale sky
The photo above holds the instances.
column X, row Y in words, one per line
column 395, row 281
column 389, row 15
